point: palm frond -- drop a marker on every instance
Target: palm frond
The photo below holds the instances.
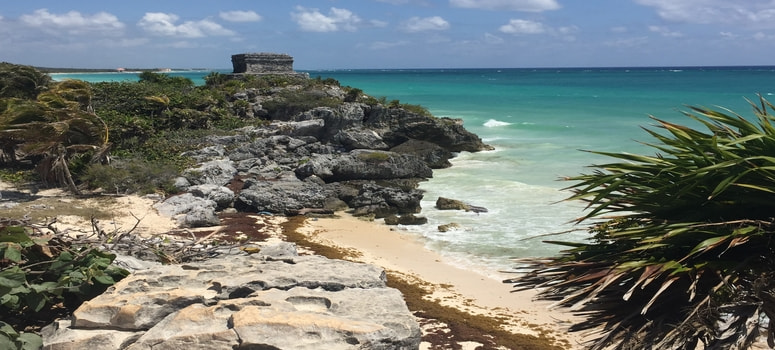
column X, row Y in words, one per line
column 681, row 248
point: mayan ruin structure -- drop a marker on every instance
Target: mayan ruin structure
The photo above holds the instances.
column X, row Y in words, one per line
column 263, row 63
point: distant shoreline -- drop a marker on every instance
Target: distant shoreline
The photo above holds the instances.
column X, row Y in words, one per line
column 115, row 70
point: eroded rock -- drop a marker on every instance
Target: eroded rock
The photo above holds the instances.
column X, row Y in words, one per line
column 273, row 300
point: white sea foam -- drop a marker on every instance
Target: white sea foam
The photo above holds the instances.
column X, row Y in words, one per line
column 492, row 123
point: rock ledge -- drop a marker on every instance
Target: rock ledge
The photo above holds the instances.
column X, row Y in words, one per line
column 244, row 301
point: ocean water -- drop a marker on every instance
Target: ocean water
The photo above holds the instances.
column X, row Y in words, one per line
column 539, row 121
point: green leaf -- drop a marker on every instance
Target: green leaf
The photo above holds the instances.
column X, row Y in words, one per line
column 12, row 277
column 11, row 251
column 30, row 341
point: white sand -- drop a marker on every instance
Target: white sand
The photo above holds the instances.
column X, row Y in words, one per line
column 462, row 288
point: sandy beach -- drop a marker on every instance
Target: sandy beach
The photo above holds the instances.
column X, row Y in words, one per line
column 404, row 253
column 399, row 252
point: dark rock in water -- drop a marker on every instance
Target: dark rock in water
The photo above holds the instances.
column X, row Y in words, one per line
column 443, row 203
column 477, row 209
column 406, row 219
column 454, row 204
column 448, row 227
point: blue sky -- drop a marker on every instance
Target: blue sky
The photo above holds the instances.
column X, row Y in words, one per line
column 336, row 34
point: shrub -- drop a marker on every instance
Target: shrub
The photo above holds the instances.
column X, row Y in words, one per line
column 131, row 176
column 682, row 247
column 40, row 271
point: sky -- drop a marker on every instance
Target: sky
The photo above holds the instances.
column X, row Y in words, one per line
column 389, row 34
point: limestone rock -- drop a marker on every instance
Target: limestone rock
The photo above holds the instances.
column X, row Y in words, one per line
column 215, row 172
column 271, row 300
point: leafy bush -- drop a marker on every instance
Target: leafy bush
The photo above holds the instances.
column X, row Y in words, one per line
column 39, row 272
column 131, row 176
column 682, row 250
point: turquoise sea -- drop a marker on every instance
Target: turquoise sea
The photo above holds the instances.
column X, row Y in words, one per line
column 539, row 121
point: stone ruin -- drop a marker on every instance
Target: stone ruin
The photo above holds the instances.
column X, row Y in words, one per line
column 264, row 63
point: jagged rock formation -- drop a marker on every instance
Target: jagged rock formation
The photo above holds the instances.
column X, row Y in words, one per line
column 271, row 300
column 369, row 157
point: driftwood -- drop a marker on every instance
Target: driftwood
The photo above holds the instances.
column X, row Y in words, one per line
column 169, row 247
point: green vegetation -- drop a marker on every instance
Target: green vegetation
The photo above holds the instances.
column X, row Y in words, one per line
column 123, row 138
column 682, row 251
column 43, row 276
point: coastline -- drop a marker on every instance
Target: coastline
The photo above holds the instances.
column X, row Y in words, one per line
column 405, row 257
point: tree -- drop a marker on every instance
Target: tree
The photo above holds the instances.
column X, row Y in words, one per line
column 20, row 81
column 56, row 127
column 682, row 250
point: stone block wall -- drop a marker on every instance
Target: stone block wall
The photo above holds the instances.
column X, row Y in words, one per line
column 262, row 63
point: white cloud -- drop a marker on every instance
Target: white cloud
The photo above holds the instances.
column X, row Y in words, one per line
column 73, row 22
column 417, row 24
column 746, row 13
column 240, row 16
column 523, row 26
column 312, row 20
column 508, row 5
column 164, row 24
column 664, row 31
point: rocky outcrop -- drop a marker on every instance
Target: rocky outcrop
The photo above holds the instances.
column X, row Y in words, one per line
column 271, row 300
column 454, row 204
column 367, row 157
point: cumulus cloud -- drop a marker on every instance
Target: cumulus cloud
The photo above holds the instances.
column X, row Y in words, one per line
column 508, row 5
column 164, row 24
column 312, row 20
column 523, row 26
column 73, row 22
column 417, row 24
column 748, row 12
column 240, row 16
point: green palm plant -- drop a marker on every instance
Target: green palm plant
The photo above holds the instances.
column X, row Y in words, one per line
column 59, row 125
column 21, row 81
column 683, row 244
